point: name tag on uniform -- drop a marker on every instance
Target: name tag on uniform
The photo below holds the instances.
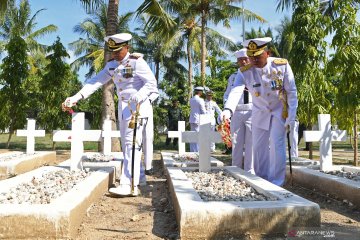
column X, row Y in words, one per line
column 256, row 85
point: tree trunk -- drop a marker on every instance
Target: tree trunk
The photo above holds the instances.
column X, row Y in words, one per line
column 203, row 47
column 108, row 104
column 9, row 138
column 157, row 71
column 190, row 73
column 355, row 141
column 310, row 145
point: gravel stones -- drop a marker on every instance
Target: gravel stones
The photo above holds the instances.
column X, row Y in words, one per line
column 186, row 157
column 97, row 157
column 219, row 185
column 44, row 189
column 355, row 176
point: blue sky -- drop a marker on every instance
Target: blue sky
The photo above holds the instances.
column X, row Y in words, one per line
column 66, row 14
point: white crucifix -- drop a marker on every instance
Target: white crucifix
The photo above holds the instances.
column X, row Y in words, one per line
column 325, row 136
column 77, row 135
column 30, row 133
column 108, row 134
column 203, row 138
column 177, row 134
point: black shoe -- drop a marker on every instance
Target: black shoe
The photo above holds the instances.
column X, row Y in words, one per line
column 149, row 172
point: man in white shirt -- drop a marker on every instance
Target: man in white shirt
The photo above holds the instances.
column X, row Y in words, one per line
column 211, row 107
column 238, row 100
column 134, row 82
column 272, row 86
column 197, row 107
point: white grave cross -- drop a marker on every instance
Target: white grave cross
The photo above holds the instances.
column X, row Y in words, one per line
column 325, row 136
column 178, row 134
column 30, row 133
column 204, row 138
column 77, row 135
column 108, row 134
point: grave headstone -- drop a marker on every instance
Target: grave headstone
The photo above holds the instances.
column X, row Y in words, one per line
column 30, row 133
column 77, row 135
column 204, row 138
column 108, row 134
column 325, row 136
column 178, row 134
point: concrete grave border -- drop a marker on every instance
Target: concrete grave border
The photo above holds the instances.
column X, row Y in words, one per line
column 57, row 220
column 169, row 161
column 312, row 178
column 25, row 164
column 212, row 220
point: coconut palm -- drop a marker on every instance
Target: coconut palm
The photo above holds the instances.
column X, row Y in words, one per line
column 19, row 22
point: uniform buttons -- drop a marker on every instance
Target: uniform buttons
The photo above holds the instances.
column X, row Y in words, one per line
column 120, row 89
column 122, row 98
column 270, row 103
column 270, row 110
column 268, row 94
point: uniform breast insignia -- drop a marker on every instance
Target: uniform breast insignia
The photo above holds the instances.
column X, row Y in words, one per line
column 127, row 71
column 256, row 85
column 245, row 68
column 280, row 61
column 276, row 82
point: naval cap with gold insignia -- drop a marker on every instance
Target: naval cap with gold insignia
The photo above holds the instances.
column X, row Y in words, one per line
column 117, row 41
column 256, row 46
column 240, row 53
column 198, row 88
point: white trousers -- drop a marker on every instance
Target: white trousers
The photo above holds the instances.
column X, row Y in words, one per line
column 294, row 137
column 127, row 135
column 241, row 136
column 212, row 144
column 194, row 147
column 270, row 152
column 148, row 140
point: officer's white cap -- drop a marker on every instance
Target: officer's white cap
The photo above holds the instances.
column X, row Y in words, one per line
column 256, row 46
column 199, row 89
column 117, row 41
column 241, row 53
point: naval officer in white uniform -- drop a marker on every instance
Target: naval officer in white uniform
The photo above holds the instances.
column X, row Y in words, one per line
column 272, row 86
column 197, row 107
column 238, row 101
column 134, row 83
column 211, row 107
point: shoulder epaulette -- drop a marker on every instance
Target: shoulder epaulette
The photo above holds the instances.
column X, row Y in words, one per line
column 245, row 68
column 280, row 61
column 136, row 55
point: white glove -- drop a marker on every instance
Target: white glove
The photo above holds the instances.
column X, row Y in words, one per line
column 226, row 114
column 135, row 98
column 71, row 101
column 289, row 123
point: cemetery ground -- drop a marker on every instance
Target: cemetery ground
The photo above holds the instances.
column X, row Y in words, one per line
column 151, row 215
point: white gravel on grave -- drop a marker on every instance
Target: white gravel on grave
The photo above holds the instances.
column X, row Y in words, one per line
column 97, row 157
column 15, row 156
column 219, row 185
column 186, row 157
column 355, row 176
column 44, row 189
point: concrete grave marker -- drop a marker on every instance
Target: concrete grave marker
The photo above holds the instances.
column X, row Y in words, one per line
column 204, row 138
column 77, row 135
column 178, row 134
column 30, row 133
column 108, row 134
column 325, row 136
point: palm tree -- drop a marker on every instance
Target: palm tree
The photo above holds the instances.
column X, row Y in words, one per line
column 19, row 21
column 285, row 38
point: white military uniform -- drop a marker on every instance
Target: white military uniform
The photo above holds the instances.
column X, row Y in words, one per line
column 240, row 126
column 197, row 107
column 294, row 138
column 141, row 82
column 267, row 86
column 210, row 108
column 148, row 135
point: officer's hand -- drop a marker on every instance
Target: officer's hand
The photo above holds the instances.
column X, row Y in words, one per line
column 226, row 114
column 135, row 98
column 289, row 124
column 71, row 101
